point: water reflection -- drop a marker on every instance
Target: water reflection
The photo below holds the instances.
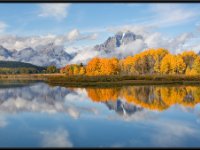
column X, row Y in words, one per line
column 58, row 138
column 125, row 100
column 40, row 98
column 149, row 97
column 145, row 116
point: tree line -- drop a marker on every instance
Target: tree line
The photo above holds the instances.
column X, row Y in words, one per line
column 28, row 70
column 151, row 61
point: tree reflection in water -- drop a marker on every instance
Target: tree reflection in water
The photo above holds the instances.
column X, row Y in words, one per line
column 150, row 97
column 125, row 100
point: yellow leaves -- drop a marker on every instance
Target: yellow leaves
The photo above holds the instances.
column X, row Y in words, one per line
column 150, row 61
column 168, row 64
column 102, row 95
column 196, row 65
column 180, row 66
column 189, row 57
column 82, row 71
column 93, row 66
column 190, row 72
column 172, row 64
column 144, row 62
column 103, row 66
column 73, row 69
column 129, row 60
column 189, row 54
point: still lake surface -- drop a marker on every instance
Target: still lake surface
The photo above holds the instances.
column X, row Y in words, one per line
column 38, row 115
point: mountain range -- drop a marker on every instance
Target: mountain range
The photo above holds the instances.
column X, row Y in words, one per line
column 117, row 40
column 51, row 54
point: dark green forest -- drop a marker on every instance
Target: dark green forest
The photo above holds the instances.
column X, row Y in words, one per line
column 15, row 67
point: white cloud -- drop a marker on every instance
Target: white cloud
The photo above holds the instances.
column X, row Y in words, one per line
column 157, row 16
column 136, row 117
column 58, row 138
column 3, row 26
column 58, row 11
column 85, row 55
column 130, row 48
column 170, row 14
column 73, row 35
column 43, row 99
column 73, row 112
column 173, row 133
column 20, row 42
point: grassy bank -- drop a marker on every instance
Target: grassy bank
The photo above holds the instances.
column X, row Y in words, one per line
column 105, row 81
column 110, row 81
column 41, row 77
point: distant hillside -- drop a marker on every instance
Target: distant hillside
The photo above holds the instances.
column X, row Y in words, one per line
column 17, row 64
column 15, row 67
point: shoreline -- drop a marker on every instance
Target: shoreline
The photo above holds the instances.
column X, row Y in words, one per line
column 103, row 81
column 123, row 83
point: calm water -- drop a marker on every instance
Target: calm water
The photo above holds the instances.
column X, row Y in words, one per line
column 37, row 115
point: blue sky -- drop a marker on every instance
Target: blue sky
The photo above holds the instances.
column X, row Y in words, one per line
column 98, row 20
column 25, row 19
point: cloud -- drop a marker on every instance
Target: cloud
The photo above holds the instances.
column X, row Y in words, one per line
column 21, row 42
column 3, row 26
column 156, row 16
column 73, row 35
column 58, row 11
column 163, row 18
column 138, row 116
column 146, row 28
column 150, row 39
column 85, row 55
column 73, row 112
column 57, row 138
column 173, row 44
column 44, row 99
column 18, row 43
column 173, row 133
column 130, row 48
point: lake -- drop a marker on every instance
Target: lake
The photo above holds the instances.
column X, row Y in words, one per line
column 39, row 115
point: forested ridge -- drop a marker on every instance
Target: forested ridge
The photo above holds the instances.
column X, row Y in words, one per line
column 15, row 67
column 17, row 64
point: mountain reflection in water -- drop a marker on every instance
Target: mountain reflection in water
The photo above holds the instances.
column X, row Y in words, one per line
column 38, row 115
column 124, row 100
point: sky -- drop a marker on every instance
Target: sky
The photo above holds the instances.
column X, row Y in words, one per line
column 87, row 24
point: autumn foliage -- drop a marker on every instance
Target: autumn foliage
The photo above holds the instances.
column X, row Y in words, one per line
column 73, row 69
column 148, row 62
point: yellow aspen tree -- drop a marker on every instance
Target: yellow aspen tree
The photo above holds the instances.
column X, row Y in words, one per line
column 189, row 57
column 75, row 70
column 82, row 71
column 196, row 65
column 93, row 67
column 167, row 66
column 180, row 65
